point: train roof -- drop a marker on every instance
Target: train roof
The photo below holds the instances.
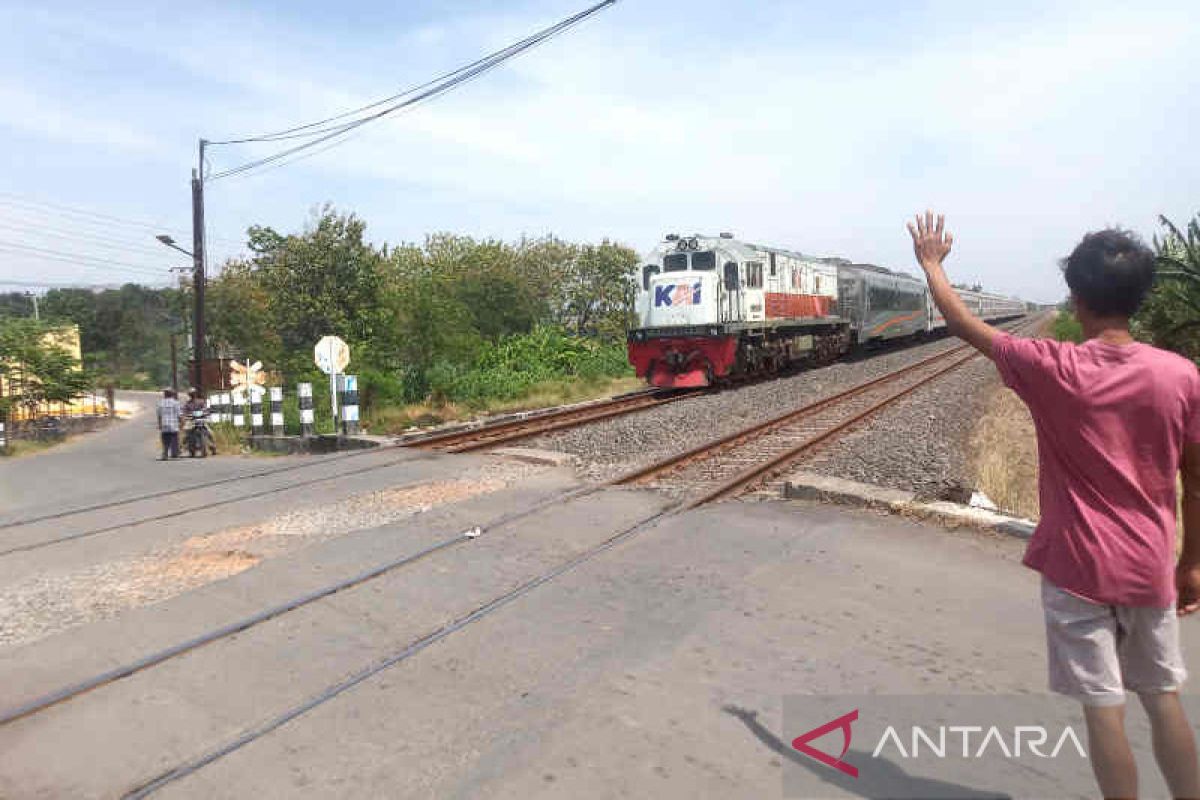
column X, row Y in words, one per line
column 749, row 248
column 746, row 248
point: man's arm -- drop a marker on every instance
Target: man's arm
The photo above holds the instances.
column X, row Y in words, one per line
column 1187, row 576
column 931, row 244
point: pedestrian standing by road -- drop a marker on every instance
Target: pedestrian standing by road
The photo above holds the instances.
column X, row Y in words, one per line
column 168, row 424
column 1116, row 421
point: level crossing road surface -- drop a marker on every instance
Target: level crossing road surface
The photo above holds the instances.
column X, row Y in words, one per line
column 117, row 462
column 656, row 668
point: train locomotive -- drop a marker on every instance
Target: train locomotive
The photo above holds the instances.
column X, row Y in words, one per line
column 716, row 308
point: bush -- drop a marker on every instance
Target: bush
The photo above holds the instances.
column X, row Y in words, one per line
column 1067, row 328
column 510, row 368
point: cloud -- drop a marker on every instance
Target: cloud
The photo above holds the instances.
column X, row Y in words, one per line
column 814, row 128
column 30, row 113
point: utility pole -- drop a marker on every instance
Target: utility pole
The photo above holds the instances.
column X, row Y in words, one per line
column 36, row 316
column 174, row 369
column 198, row 271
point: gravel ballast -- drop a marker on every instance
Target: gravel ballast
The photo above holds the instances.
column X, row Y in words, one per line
column 610, row 448
column 919, row 443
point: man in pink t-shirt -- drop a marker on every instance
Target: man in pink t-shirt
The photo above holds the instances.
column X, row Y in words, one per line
column 1116, row 422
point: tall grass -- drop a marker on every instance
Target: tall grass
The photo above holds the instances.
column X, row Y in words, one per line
column 1003, row 455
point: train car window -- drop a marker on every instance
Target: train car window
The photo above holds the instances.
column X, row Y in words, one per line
column 772, row 265
column 705, row 260
column 675, row 262
column 731, row 276
column 754, row 275
column 647, row 271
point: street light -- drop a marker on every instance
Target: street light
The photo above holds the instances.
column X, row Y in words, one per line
column 169, row 242
column 198, row 328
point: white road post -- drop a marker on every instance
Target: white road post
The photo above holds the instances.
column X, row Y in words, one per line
column 277, row 411
column 333, row 404
column 304, row 391
column 349, row 387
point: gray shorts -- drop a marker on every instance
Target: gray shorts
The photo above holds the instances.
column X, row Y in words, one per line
column 1096, row 651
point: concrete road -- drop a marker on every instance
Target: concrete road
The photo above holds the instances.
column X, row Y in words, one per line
column 119, row 461
column 659, row 668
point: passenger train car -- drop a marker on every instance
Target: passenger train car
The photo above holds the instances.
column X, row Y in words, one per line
column 712, row 308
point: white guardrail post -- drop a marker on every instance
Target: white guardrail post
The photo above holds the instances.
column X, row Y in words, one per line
column 304, row 391
column 348, row 385
column 277, row 411
column 256, row 410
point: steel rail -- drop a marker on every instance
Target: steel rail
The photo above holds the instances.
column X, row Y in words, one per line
column 755, row 474
column 182, row 489
column 751, row 477
column 71, row 691
column 415, row 646
column 179, row 512
column 762, row 428
column 478, row 438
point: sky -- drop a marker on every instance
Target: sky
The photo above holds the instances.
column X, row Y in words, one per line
column 819, row 127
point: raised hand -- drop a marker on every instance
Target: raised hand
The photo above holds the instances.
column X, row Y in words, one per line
column 931, row 242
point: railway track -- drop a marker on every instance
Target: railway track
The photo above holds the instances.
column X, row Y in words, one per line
column 492, row 435
column 458, row 441
column 717, row 470
column 745, row 459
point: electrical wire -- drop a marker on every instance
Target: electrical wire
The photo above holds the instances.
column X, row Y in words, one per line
column 294, row 132
column 81, row 260
column 426, row 91
column 94, row 218
column 82, row 239
column 41, row 285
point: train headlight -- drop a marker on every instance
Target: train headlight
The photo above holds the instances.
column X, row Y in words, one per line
column 714, row 331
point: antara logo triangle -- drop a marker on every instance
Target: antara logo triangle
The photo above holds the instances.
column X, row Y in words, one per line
column 801, row 743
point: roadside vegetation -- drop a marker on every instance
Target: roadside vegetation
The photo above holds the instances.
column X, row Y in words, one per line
column 446, row 327
column 34, row 369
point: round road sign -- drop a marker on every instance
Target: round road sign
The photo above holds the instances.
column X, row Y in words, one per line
column 332, row 355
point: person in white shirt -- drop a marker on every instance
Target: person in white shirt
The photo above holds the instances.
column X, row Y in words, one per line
column 168, row 424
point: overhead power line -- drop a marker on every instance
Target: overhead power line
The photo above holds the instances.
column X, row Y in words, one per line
column 82, row 260
column 58, row 234
column 42, row 285
column 27, row 205
column 321, row 131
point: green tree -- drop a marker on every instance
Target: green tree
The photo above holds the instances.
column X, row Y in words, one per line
column 1170, row 317
column 326, row 280
column 599, row 291
column 35, row 370
column 16, row 304
column 239, row 315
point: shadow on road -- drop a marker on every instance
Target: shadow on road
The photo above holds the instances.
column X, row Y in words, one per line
column 877, row 777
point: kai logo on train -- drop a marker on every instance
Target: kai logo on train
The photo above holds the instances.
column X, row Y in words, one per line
column 677, row 294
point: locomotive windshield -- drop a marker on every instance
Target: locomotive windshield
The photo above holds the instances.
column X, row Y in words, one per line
column 675, row 262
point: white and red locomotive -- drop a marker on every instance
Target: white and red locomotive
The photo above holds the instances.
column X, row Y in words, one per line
column 713, row 308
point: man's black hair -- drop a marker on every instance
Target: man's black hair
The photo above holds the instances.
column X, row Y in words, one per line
column 1110, row 272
